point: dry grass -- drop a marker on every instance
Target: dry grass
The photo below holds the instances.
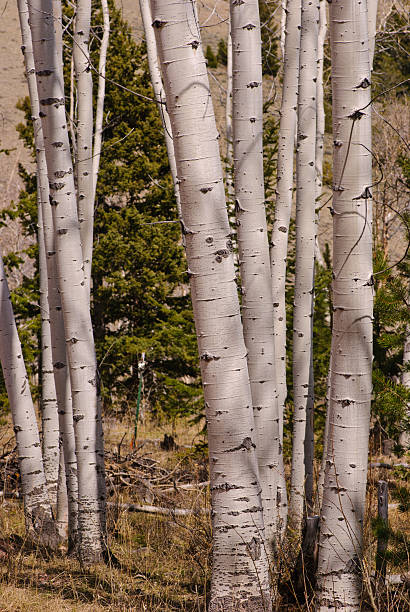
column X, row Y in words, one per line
column 159, row 564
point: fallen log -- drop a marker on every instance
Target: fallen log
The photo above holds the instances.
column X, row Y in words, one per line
column 159, row 510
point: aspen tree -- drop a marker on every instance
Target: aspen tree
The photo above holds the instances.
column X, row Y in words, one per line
column 302, row 455
column 284, row 190
column 49, row 406
column 50, row 439
column 343, row 508
column 253, row 248
column 84, row 134
column 72, row 286
column 159, row 93
column 46, row 233
column 38, row 515
column 240, row 577
column 320, row 109
column 99, row 111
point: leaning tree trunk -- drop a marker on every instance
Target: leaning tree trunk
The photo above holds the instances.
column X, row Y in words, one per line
column 99, row 111
column 302, row 455
column 72, row 286
column 343, row 508
column 159, row 94
column 38, row 515
column 284, row 190
column 58, row 344
column 253, row 249
column 84, row 148
column 240, row 577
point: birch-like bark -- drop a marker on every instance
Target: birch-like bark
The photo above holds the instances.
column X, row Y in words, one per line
column 228, row 121
column 284, row 190
column 49, row 406
column 72, row 287
column 304, row 267
column 99, row 111
column 58, row 345
column 84, row 148
column 62, row 498
column 253, row 248
column 372, row 6
column 320, row 109
column 50, row 438
column 240, row 577
column 159, row 94
column 342, row 514
column 38, row 515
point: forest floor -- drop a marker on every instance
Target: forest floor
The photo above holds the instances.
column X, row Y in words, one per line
column 160, row 562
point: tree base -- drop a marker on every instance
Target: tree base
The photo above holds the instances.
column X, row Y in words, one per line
column 41, row 528
column 239, row 604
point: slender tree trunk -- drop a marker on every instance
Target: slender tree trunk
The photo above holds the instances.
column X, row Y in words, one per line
column 49, row 407
column 240, row 577
column 342, row 514
column 320, row 109
column 72, row 286
column 320, row 120
column 228, row 121
column 62, row 498
column 50, row 441
column 253, row 247
column 284, row 190
column 372, row 6
column 39, row 520
column 84, row 149
column 58, row 344
column 99, row 113
column 159, row 93
column 302, row 462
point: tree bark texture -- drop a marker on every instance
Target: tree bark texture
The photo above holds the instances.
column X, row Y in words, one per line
column 240, row 577
column 49, row 406
column 58, row 344
column 99, row 112
column 253, row 248
column 72, row 287
column 38, row 515
column 85, row 124
column 284, row 190
column 342, row 514
column 159, row 94
column 302, row 455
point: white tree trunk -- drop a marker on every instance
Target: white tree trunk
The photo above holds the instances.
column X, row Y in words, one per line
column 49, row 407
column 84, row 148
column 343, row 508
column 253, row 247
column 304, row 266
column 159, row 94
column 58, row 344
column 62, row 498
column 284, row 190
column 320, row 109
column 99, row 112
column 72, row 286
column 37, row 510
column 50, row 439
column 228, row 121
column 372, row 6
column 240, row 570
